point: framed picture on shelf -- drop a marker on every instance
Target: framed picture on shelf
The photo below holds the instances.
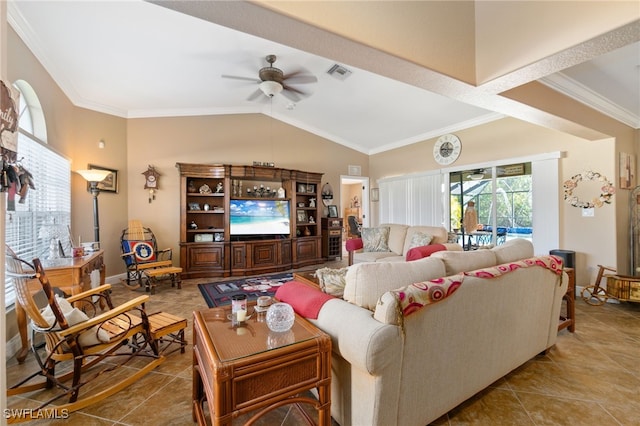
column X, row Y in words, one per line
column 218, row 236
column 108, row 184
column 302, row 216
column 194, row 206
column 311, row 189
column 333, row 210
column 302, row 187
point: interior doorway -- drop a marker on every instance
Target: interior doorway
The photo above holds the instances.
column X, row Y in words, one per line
column 354, row 199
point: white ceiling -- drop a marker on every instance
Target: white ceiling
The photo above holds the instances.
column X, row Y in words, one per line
column 137, row 59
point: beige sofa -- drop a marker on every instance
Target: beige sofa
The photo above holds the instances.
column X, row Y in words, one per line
column 399, row 242
column 391, row 368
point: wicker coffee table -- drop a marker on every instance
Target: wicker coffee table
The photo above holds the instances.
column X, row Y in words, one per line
column 307, row 277
column 238, row 370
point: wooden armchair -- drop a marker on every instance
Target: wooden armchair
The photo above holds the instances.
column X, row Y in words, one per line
column 140, row 253
column 81, row 342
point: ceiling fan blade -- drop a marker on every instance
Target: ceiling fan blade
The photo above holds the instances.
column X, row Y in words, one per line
column 235, row 77
column 255, row 95
column 301, row 79
column 289, row 94
column 300, row 76
column 293, row 89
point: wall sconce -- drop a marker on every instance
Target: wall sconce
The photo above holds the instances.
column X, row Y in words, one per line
column 375, row 194
column 94, row 176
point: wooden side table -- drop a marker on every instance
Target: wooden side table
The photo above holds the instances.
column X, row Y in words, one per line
column 238, row 370
column 570, row 298
column 307, row 277
column 331, row 237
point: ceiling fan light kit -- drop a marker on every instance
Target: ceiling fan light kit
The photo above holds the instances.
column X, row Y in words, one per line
column 476, row 176
column 270, row 88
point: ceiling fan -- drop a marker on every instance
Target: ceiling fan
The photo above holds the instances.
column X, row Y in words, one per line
column 273, row 81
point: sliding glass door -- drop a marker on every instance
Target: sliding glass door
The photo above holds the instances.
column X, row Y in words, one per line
column 502, row 197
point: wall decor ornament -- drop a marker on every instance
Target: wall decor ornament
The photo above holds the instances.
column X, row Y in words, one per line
column 151, row 178
column 9, row 116
column 606, row 190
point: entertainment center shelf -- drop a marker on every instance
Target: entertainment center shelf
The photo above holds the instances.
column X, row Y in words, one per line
column 244, row 220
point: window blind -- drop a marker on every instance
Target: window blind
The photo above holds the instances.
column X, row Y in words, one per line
column 44, row 214
column 412, row 200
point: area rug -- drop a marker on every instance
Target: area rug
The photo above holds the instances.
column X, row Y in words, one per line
column 220, row 293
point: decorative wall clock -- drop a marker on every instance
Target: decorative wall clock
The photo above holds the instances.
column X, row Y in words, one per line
column 151, row 183
column 447, row 149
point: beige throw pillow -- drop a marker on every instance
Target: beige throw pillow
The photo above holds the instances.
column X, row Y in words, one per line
column 420, row 239
column 332, row 281
column 375, row 239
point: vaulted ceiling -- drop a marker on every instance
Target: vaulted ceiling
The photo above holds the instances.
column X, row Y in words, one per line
column 416, row 70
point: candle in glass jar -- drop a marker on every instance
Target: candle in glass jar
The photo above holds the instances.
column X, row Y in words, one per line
column 241, row 315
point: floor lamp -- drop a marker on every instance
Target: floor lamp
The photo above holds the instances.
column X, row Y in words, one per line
column 94, row 177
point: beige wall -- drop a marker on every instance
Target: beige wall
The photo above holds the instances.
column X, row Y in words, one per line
column 231, row 139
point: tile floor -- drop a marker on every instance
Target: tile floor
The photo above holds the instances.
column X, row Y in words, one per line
column 590, row 377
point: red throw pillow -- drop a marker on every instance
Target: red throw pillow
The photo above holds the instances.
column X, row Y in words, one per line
column 304, row 299
column 423, row 251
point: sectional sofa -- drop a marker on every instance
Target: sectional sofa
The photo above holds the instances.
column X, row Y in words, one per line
column 424, row 336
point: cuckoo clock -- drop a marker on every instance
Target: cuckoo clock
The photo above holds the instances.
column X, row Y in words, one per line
column 151, row 177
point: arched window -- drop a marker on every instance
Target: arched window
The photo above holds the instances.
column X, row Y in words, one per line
column 39, row 202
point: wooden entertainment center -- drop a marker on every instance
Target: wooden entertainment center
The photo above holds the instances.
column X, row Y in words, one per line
column 216, row 243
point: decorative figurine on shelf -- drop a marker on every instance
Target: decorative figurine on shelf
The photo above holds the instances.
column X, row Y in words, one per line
column 311, row 219
column 281, row 193
column 312, row 202
column 307, row 231
column 219, row 188
column 205, row 189
column 151, row 182
column 193, row 225
column 191, row 187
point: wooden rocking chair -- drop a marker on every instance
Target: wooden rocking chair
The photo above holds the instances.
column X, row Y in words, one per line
column 140, row 253
column 82, row 346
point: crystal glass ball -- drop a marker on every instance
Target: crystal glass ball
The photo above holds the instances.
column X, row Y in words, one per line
column 280, row 317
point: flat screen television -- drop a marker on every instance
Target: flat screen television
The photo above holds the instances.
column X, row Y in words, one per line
column 259, row 217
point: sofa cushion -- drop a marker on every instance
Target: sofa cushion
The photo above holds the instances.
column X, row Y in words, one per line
column 424, row 251
column 332, row 281
column 372, row 256
column 397, row 236
column 513, row 250
column 376, row 239
column 460, row 261
column 366, row 282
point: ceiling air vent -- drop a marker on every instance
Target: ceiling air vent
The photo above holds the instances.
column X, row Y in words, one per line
column 339, row 72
